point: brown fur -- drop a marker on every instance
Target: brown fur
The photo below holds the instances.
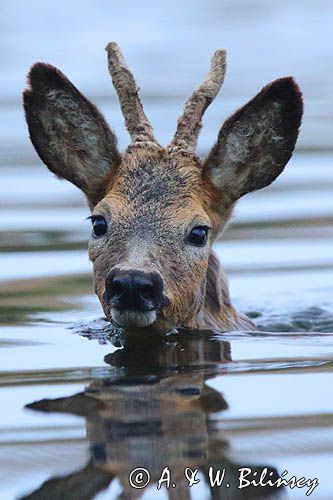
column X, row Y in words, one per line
column 153, row 196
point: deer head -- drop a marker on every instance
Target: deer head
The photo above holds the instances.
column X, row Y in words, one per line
column 157, row 210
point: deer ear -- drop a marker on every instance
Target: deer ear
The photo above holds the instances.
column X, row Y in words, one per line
column 255, row 143
column 68, row 132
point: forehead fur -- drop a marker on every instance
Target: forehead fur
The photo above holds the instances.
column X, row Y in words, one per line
column 150, row 174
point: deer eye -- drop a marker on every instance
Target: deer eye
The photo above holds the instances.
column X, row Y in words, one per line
column 99, row 225
column 198, row 236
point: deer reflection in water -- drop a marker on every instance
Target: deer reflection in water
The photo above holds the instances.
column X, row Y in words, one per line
column 153, row 411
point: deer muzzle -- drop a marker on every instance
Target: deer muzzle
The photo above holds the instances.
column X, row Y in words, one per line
column 134, row 297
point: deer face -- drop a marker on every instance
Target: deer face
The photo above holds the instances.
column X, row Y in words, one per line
column 156, row 211
column 151, row 239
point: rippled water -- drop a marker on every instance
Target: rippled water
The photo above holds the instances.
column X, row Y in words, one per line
column 78, row 413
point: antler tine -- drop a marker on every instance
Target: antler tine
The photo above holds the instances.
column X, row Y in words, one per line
column 123, row 80
column 189, row 124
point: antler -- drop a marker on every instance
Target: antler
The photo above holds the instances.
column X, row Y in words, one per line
column 136, row 121
column 189, row 124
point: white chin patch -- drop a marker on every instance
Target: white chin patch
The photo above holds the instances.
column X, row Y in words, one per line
column 132, row 319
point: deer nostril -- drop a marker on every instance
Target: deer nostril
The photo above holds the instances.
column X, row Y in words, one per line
column 118, row 286
column 116, row 289
column 146, row 291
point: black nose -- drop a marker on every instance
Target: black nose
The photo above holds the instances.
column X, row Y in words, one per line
column 134, row 290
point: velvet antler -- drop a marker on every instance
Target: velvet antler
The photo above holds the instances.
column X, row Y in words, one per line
column 189, row 124
column 123, row 80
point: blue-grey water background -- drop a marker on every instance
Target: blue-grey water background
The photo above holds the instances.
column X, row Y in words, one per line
column 278, row 251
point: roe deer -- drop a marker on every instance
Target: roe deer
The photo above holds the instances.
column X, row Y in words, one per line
column 157, row 210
